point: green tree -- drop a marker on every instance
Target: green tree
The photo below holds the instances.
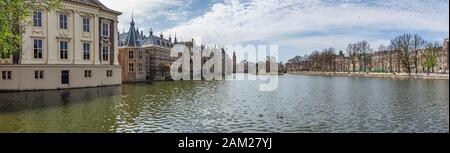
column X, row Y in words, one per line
column 14, row 16
column 430, row 57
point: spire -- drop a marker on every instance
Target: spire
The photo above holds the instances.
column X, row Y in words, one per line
column 132, row 38
column 161, row 35
column 175, row 39
column 132, row 18
column 151, row 32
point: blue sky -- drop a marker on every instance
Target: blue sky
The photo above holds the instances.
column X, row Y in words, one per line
column 297, row 26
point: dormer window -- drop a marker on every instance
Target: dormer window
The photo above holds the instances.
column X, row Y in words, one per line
column 105, row 29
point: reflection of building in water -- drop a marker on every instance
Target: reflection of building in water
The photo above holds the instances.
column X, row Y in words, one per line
column 72, row 47
column 21, row 101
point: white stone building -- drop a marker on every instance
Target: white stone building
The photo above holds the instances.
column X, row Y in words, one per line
column 72, row 47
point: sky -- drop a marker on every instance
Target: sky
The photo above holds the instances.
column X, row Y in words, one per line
column 298, row 27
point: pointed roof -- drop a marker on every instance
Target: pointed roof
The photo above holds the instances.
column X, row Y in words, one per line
column 132, row 38
column 175, row 39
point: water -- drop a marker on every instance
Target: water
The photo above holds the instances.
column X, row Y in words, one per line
column 300, row 104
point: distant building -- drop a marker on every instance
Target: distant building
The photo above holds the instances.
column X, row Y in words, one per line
column 73, row 47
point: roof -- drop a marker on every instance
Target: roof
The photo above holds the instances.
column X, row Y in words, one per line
column 135, row 38
column 95, row 3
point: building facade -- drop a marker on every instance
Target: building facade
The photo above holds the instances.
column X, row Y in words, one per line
column 72, row 47
column 144, row 58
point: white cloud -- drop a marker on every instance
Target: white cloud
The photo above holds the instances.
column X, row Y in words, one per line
column 296, row 25
column 147, row 12
column 236, row 21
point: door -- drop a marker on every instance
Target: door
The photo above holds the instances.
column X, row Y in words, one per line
column 65, row 77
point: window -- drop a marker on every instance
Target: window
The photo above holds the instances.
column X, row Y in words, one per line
column 7, row 75
column 140, row 67
column 39, row 74
column 140, row 54
column 88, row 73
column 37, row 19
column 37, row 48
column 130, row 54
column 86, row 51
column 105, row 53
column 131, row 67
column 86, row 24
column 65, row 77
column 63, row 49
column 105, row 29
column 109, row 73
column 63, row 21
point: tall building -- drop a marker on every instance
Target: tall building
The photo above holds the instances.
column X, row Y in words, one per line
column 144, row 58
column 72, row 47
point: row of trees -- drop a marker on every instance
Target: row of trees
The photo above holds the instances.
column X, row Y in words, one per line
column 408, row 51
column 408, row 48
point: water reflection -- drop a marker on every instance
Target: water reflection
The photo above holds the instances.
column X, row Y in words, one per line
column 300, row 104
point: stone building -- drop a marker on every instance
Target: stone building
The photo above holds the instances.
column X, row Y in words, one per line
column 144, row 58
column 73, row 47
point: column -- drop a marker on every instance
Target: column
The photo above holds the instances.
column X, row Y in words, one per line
column 52, row 32
column 96, row 40
column 76, row 51
column 116, row 39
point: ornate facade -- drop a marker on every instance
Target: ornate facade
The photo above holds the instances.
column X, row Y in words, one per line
column 72, row 47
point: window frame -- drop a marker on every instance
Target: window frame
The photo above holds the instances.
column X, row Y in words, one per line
column 86, row 24
column 37, row 48
column 131, row 54
column 63, row 52
column 86, row 51
column 63, row 21
column 105, row 30
column 130, row 66
column 105, row 54
column 37, row 19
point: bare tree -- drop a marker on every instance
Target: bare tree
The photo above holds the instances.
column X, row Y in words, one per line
column 417, row 43
column 352, row 55
column 364, row 50
column 382, row 56
column 403, row 44
column 390, row 53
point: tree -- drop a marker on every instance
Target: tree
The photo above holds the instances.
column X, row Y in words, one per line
column 352, row 55
column 14, row 16
column 430, row 57
column 383, row 51
column 402, row 45
column 364, row 48
column 390, row 53
column 417, row 43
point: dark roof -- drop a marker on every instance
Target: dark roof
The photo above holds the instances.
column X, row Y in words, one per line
column 133, row 36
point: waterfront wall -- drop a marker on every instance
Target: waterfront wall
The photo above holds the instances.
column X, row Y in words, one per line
column 23, row 77
column 375, row 75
